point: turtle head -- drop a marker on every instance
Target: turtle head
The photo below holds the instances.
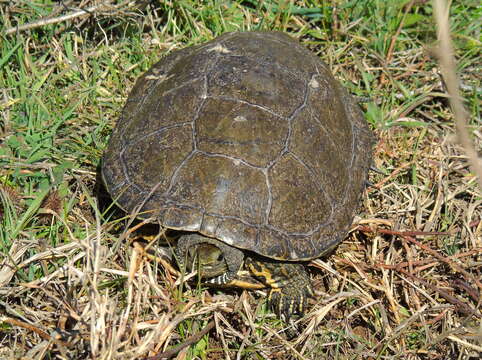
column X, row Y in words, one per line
column 208, row 259
column 216, row 262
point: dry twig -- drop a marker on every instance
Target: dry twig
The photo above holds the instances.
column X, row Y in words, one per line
column 36, row 330
column 395, row 37
column 73, row 15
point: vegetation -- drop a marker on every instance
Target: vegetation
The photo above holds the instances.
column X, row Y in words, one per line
column 77, row 282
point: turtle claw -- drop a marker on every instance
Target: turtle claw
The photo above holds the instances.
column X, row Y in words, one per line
column 290, row 286
column 281, row 304
column 288, row 301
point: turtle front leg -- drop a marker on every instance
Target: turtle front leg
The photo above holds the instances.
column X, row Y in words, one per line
column 289, row 282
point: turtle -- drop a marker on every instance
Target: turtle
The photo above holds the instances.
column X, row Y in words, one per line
column 248, row 148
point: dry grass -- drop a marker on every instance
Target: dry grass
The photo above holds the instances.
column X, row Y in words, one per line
column 77, row 282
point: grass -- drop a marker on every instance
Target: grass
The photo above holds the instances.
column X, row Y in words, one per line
column 72, row 287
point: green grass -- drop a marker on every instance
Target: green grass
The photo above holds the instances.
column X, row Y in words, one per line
column 62, row 87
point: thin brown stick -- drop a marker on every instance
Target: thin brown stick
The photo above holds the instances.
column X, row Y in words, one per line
column 76, row 14
column 405, row 233
column 55, row 20
column 447, row 67
column 189, row 341
column 473, row 293
column 36, row 330
column 427, row 262
column 393, row 174
column 395, row 37
column 139, row 247
column 434, row 320
column 404, row 264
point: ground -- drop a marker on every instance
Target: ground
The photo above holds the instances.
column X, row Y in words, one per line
column 75, row 281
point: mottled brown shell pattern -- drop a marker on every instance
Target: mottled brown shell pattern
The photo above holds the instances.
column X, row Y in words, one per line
column 247, row 138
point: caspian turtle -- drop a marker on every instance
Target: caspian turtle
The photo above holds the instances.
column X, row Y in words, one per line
column 248, row 147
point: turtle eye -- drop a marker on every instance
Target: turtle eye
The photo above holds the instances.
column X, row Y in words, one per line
column 220, row 257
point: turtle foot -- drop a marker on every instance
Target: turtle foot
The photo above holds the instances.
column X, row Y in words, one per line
column 290, row 286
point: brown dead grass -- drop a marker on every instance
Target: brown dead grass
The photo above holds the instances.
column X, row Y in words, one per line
column 381, row 291
column 405, row 284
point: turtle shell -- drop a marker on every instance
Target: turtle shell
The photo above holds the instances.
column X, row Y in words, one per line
column 247, row 138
